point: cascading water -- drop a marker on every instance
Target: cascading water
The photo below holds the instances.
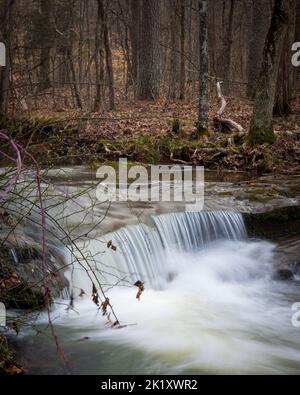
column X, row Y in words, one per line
column 141, row 250
column 210, row 305
column 189, row 231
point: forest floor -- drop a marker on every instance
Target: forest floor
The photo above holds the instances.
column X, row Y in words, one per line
column 156, row 133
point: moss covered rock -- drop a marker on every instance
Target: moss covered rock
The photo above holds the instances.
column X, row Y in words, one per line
column 275, row 223
column 24, row 277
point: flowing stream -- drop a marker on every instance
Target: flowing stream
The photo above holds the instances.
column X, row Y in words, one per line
column 211, row 303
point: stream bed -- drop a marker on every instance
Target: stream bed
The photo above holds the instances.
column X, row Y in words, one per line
column 212, row 304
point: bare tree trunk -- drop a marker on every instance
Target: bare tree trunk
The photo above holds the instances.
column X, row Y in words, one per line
column 286, row 70
column 135, row 39
column 261, row 129
column 182, row 50
column 45, row 69
column 74, row 79
column 98, row 37
column 173, row 89
column 259, row 29
column 108, row 53
column 150, row 56
column 6, row 30
column 228, row 48
column 297, row 35
column 45, row 33
column 202, row 127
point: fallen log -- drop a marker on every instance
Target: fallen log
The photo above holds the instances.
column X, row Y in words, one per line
column 225, row 125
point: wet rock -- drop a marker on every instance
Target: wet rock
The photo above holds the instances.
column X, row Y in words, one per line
column 284, row 275
column 274, row 223
column 8, row 367
column 25, row 274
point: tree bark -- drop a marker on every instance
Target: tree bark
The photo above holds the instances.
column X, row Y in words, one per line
column 174, row 50
column 45, row 81
column 150, row 56
column 286, row 70
column 259, row 28
column 74, row 79
column 98, row 55
column 261, row 128
column 135, row 40
column 108, row 56
column 228, row 48
column 297, row 35
column 182, row 50
column 202, row 127
column 6, row 30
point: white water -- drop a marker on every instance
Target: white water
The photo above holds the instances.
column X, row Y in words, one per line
column 210, row 303
column 142, row 250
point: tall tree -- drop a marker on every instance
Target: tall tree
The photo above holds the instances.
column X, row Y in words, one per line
column 150, row 56
column 298, row 21
column 261, row 128
column 182, row 50
column 6, row 29
column 40, row 36
column 286, row 70
column 108, row 54
column 135, row 39
column 45, row 34
column 98, row 59
column 174, row 49
column 297, row 39
column 227, row 47
column 258, row 30
column 202, row 127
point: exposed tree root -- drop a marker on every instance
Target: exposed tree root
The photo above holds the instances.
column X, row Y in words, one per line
column 222, row 124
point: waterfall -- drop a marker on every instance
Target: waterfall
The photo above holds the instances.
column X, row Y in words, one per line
column 209, row 291
column 142, row 250
column 190, row 231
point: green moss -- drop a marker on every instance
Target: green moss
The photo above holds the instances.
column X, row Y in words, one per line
column 259, row 199
column 263, row 191
column 294, row 191
column 4, row 351
column 35, row 123
column 261, row 195
column 147, row 149
column 176, row 126
column 261, row 136
column 279, row 222
column 22, row 295
column 265, row 164
column 199, row 132
column 225, row 193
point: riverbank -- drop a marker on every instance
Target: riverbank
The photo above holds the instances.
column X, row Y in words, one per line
column 8, row 365
column 152, row 133
column 26, row 277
